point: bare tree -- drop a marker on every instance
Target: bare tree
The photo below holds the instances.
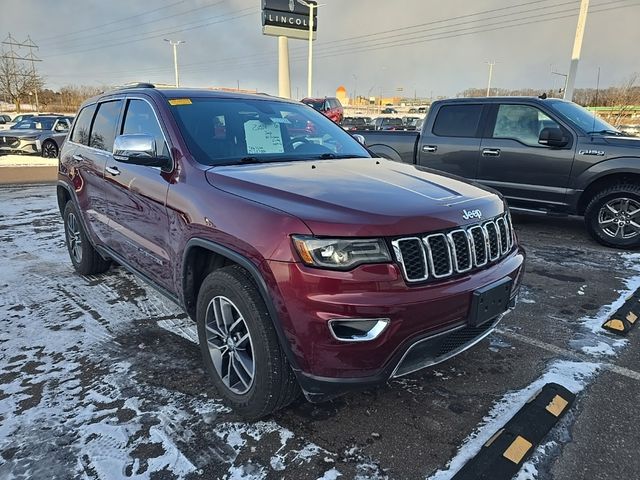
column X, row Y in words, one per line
column 624, row 98
column 17, row 80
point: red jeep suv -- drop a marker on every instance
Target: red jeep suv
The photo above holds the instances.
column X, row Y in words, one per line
column 307, row 264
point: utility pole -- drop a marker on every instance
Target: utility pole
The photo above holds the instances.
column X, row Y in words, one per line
column 491, row 64
column 175, row 44
column 284, row 73
column 577, row 47
column 14, row 55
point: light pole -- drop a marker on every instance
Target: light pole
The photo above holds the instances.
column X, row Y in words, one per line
column 577, row 47
column 491, row 64
column 355, row 89
column 311, row 6
column 175, row 44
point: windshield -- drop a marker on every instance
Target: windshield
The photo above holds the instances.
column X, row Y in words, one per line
column 229, row 131
column 35, row 123
column 583, row 118
column 317, row 104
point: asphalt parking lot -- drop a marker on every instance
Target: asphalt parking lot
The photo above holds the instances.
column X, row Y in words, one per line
column 99, row 379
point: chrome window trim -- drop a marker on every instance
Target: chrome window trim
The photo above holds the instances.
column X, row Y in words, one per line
column 398, row 253
column 431, row 265
column 455, row 251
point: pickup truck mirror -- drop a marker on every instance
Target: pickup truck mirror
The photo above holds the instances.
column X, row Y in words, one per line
column 552, row 137
column 137, row 149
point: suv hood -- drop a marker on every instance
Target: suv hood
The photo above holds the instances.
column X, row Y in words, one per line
column 22, row 133
column 360, row 196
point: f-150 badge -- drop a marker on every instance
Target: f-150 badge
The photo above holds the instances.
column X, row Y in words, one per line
column 468, row 214
column 599, row 153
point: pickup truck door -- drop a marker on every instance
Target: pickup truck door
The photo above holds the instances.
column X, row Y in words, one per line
column 137, row 196
column 512, row 161
column 450, row 140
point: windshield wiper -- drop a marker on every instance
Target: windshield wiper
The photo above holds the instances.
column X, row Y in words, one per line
column 250, row 160
column 605, row 132
column 327, row 156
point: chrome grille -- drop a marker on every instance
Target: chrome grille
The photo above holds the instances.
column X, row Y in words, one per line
column 443, row 254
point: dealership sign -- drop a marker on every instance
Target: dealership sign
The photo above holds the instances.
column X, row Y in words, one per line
column 288, row 18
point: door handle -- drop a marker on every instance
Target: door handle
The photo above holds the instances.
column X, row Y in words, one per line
column 491, row 152
column 113, row 170
column 78, row 158
column 429, row 148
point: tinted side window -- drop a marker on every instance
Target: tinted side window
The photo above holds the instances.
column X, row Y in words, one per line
column 522, row 123
column 140, row 118
column 83, row 125
column 458, row 121
column 105, row 124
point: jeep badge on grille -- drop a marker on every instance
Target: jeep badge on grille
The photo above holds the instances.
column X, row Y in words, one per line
column 468, row 214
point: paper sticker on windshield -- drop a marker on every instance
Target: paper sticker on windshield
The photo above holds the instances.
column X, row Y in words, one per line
column 263, row 137
column 180, row 101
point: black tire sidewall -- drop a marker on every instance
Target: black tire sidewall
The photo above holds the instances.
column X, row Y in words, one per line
column 224, row 283
column 87, row 249
column 592, row 212
column 50, row 142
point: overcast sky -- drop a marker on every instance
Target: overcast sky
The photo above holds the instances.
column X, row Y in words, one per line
column 424, row 46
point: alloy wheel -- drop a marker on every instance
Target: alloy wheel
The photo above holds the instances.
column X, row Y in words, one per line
column 49, row 150
column 230, row 345
column 620, row 218
column 74, row 239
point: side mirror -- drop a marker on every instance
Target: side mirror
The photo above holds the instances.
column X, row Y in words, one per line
column 360, row 139
column 552, row 137
column 137, row 149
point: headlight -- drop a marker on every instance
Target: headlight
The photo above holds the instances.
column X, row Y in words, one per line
column 340, row 253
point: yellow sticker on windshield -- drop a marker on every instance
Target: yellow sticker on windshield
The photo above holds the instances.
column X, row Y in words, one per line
column 180, row 101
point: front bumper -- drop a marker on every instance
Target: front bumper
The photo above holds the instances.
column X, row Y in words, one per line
column 428, row 323
column 16, row 145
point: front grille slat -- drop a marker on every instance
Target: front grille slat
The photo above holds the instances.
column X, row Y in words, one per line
column 443, row 254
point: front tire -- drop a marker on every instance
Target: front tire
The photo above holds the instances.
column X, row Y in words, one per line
column 612, row 216
column 85, row 259
column 239, row 345
column 49, row 149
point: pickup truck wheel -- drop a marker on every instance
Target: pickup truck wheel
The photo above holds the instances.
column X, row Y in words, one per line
column 239, row 345
column 85, row 259
column 613, row 216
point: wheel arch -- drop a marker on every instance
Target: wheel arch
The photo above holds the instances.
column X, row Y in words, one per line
column 605, row 181
column 385, row 151
column 203, row 256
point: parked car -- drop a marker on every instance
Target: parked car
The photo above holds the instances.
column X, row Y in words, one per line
column 544, row 155
column 356, row 123
column 330, row 107
column 423, row 109
column 413, row 110
column 9, row 122
column 36, row 135
column 389, row 110
column 410, row 123
column 387, row 123
column 307, row 264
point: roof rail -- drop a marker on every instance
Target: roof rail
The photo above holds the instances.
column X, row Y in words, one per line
column 136, row 85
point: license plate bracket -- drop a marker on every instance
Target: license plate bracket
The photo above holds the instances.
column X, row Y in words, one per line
column 490, row 301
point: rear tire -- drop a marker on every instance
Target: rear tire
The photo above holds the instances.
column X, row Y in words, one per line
column 85, row 259
column 612, row 217
column 239, row 345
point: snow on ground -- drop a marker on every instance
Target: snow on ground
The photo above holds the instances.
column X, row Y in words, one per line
column 26, row 161
column 83, row 383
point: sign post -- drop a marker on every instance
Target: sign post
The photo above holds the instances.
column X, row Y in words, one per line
column 289, row 19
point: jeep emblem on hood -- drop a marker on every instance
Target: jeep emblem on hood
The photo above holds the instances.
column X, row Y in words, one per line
column 468, row 214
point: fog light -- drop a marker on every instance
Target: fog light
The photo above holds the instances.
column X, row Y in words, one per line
column 357, row 329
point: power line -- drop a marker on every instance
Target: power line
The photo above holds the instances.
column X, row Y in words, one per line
column 60, row 44
column 119, row 20
column 160, row 33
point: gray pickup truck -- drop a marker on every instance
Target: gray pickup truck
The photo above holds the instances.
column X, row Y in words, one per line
column 543, row 155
